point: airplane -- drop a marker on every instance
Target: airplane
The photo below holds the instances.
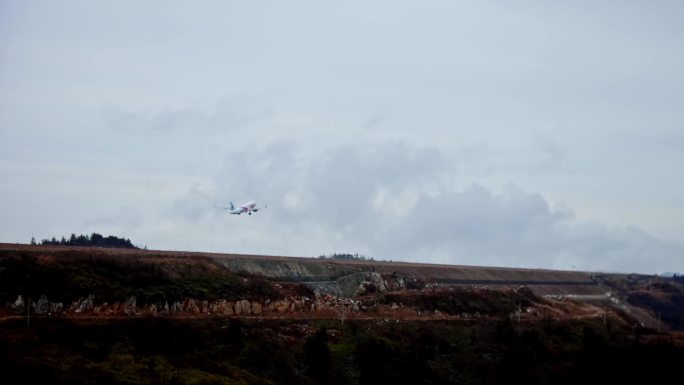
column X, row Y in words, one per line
column 248, row 208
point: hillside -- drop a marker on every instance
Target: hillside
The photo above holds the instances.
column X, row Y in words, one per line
column 132, row 316
column 61, row 280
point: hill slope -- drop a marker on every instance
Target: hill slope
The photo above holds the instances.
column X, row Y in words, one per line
column 106, row 316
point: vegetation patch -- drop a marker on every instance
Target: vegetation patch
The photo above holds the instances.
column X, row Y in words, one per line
column 464, row 300
column 215, row 351
column 66, row 276
column 668, row 307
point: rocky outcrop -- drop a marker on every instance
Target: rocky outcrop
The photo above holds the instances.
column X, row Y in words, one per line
column 89, row 305
column 192, row 306
column 372, row 282
column 325, row 277
column 18, row 304
column 83, row 305
column 295, row 271
column 42, row 306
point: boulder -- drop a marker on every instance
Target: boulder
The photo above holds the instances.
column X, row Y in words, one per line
column 42, row 306
column 19, row 303
column 84, row 305
column 256, row 308
column 245, row 306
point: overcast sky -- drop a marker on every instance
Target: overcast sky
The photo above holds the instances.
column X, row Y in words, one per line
column 526, row 133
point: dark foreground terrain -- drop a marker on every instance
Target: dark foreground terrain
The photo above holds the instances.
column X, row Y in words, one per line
column 100, row 316
column 240, row 351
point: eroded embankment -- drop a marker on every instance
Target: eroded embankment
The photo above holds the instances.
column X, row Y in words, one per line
column 340, row 278
column 111, row 283
column 350, row 278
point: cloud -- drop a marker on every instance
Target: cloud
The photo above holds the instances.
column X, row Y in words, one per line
column 518, row 228
column 397, row 201
column 344, row 184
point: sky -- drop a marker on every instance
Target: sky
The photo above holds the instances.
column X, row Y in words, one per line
column 494, row 133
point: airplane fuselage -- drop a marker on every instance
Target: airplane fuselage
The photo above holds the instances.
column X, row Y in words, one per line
column 248, row 208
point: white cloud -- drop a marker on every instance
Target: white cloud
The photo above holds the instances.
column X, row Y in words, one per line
column 340, row 206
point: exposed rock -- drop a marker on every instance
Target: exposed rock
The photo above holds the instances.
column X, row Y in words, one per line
column 19, row 303
column 238, row 308
column 42, row 306
column 278, row 269
column 85, row 304
column 221, row 307
column 245, row 306
column 165, row 309
column 280, row 306
column 256, row 308
column 56, row 307
column 130, row 307
column 190, row 306
column 176, row 307
column 373, row 282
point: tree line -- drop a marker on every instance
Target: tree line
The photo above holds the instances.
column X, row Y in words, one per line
column 93, row 240
column 346, row 256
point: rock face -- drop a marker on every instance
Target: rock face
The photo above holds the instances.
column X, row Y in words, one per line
column 348, row 278
column 289, row 270
column 18, row 304
column 192, row 306
column 42, row 306
column 243, row 307
column 367, row 283
column 324, row 277
column 83, row 305
column 334, row 295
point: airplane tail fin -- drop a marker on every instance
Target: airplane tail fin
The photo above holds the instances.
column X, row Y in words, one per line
column 231, row 206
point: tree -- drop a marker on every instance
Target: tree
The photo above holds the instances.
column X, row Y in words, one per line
column 93, row 240
column 97, row 240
